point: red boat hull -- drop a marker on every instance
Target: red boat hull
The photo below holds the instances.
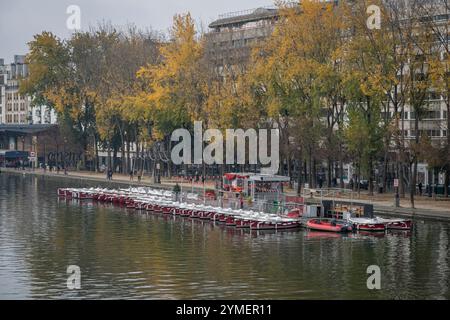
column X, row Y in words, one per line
column 372, row 227
column 327, row 226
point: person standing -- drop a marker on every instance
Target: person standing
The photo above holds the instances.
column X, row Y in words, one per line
column 420, row 188
column 131, row 175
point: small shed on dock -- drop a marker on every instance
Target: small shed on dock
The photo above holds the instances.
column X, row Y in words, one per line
column 333, row 208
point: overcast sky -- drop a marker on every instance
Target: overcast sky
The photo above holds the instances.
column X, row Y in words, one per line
column 21, row 19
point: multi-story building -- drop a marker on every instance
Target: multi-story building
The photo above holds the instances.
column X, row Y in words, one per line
column 15, row 108
column 232, row 36
column 2, row 89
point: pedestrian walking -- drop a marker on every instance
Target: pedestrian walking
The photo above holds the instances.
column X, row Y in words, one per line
column 420, row 188
column 131, row 175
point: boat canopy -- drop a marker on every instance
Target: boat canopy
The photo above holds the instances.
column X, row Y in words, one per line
column 269, row 178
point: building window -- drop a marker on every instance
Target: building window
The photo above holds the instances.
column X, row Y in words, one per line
column 432, row 115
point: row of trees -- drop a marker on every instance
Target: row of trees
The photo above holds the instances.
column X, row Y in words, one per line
column 336, row 89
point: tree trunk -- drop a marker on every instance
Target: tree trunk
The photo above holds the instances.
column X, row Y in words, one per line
column 385, row 171
column 329, row 171
column 96, row 153
column 412, row 189
column 114, row 160
column 123, row 158
column 129, row 166
column 446, row 182
column 370, row 176
column 299, row 178
column 310, row 176
column 109, row 158
column 341, row 173
column 289, row 163
column 401, row 181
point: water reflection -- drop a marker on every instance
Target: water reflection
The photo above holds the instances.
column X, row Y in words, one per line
column 126, row 254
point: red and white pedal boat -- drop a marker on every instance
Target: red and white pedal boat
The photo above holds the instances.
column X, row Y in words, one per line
column 367, row 224
column 273, row 223
column 395, row 224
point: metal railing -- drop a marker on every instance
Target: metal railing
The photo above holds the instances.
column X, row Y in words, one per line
column 244, row 12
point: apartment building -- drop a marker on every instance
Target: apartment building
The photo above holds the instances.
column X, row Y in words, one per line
column 15, row 108
column 2, row 89
column 232, row 36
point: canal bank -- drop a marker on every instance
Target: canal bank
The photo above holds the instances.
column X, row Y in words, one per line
column 427, row 211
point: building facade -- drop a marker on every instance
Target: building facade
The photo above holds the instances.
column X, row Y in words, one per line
column 233, row 35
column 14, row 107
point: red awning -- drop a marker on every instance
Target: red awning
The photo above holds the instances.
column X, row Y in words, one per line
column 230, row 176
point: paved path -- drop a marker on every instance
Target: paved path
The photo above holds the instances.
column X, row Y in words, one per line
column 383, row 204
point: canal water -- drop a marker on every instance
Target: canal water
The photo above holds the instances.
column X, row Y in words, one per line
column 130, row 255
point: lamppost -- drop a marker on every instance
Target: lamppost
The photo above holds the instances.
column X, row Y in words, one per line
column 158, row 172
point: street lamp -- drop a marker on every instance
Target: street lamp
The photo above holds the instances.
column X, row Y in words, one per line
column 158, row 167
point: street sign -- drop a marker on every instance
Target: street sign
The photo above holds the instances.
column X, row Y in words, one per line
column 396, row 183
column 32, row 154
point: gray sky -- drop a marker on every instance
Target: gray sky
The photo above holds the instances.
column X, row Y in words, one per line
column 21, row 19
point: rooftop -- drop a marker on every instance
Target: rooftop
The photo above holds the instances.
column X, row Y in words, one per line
column 245, row 16
column 25, row 128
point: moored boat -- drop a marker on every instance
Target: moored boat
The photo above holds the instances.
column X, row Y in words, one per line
column 395, row 224
column 329, row 225
column 367, row 224
column 159, row 202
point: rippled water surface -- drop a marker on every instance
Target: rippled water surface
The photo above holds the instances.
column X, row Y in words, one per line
column 124, row 254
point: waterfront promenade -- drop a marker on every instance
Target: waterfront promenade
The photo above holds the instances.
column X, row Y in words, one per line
column 426, row 207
